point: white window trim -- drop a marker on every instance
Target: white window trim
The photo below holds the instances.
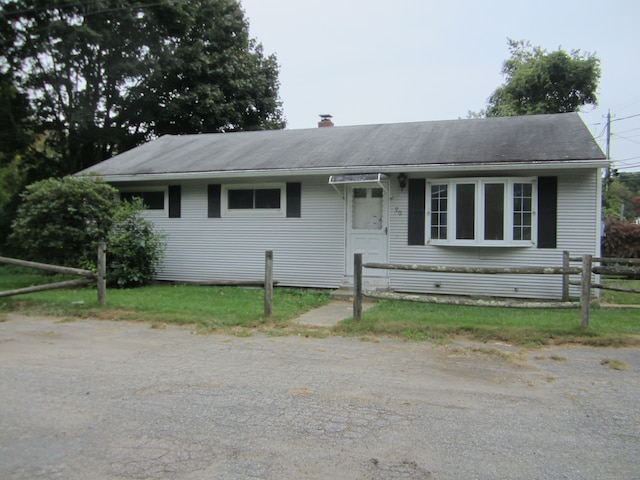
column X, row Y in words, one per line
column 254, row 212
column 151, row 212
column 479, row 183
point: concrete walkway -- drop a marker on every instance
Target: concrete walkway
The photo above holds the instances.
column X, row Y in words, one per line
column 330, row 314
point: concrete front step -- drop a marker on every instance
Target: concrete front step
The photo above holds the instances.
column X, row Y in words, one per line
column 345, row 293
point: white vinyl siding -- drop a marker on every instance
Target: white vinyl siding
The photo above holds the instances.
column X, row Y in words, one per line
column 308, row 251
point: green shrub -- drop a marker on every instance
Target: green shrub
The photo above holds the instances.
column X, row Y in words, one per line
column 134, row 248
column 61, row 221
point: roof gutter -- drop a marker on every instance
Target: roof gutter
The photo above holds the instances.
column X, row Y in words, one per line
column 337, row 170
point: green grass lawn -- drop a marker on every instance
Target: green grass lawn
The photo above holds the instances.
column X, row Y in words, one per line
column 621, row 298
column 517, row 326
column 210, row 308
column 240, row 310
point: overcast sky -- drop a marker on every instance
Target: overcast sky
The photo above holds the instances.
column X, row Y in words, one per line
column 381, row 61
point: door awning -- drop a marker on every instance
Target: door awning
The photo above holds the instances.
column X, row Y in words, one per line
column 359, row 178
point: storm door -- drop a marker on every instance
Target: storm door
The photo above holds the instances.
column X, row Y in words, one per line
column 367, row 230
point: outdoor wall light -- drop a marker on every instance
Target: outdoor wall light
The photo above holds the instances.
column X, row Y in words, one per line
column 402, row 180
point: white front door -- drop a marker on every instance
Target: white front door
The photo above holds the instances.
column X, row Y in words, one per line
column 367, row 231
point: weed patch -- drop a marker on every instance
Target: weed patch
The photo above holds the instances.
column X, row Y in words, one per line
column 615, row 364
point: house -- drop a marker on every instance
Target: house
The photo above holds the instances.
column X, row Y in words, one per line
column 500, row 192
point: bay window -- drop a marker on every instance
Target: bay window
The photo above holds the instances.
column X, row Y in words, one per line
column 481, row 211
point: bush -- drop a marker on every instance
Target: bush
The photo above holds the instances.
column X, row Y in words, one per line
column 61, row 221
column 621, row 239
column 134, row 248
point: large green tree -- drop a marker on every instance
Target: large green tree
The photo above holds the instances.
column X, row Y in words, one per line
column 15, row 138
column 105, row 75
column 618, row 201
column 208, row 76
column 631, row 180
column 537, row 81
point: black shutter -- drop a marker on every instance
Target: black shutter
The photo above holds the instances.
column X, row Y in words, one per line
column 175, row 201
column 294, row 200
column 416, row 217
column 547, row 212
column 213, row 200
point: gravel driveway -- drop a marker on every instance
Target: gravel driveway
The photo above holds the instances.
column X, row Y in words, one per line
column 115, row 400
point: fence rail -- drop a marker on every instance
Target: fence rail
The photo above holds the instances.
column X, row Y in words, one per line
column 90, row 277
column 565, row 270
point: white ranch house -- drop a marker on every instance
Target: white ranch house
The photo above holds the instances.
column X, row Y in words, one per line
column 498, row 192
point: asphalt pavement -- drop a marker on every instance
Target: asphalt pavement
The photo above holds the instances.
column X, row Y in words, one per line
column 115, row 400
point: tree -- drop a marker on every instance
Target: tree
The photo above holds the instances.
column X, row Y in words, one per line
column 104, row 76
column 15, row 138
column 538, row 82
column 631, row 180
column 211, row 78
column 618, row 201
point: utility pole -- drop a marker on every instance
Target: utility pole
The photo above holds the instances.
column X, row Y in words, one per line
column 608, row 175
column 608, row 134
column 608, row 152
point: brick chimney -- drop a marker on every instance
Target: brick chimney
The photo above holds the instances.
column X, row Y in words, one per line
column 325, row 121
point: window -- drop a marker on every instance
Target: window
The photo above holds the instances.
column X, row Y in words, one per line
column 152, row 200
column 465, row 211
column 522, row 211
column 266, row 200
column 439, row 212
column 481, row 211
column 494, row 211
column 367, row 206
column 254, row 198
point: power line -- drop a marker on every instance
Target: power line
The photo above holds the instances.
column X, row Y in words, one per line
column 627, row 131
column 622, row 162
column 631, row 104
column 628, row 139
column 625, row 118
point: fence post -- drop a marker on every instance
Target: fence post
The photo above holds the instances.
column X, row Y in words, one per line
column 585, row 295
column 566, row 263
column 357, row 286
column 268, row 283
column 101, row 279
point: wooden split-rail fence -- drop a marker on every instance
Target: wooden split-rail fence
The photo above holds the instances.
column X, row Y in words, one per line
column 608, row 266
column 88, row 276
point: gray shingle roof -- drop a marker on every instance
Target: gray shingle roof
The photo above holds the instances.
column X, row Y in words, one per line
column 527, row 139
